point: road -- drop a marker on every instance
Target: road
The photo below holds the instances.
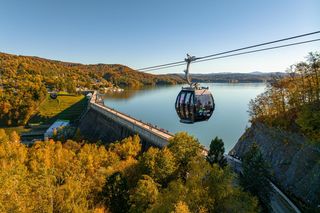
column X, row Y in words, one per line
column 280, row 203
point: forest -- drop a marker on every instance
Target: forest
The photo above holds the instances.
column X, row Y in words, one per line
column 292, row 102
column 77, row 176
column 70, row 176
column 25, row 81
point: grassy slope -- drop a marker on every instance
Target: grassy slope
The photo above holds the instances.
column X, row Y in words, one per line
column 64, row 107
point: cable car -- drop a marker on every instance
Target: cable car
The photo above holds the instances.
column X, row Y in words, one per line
column 53, row 95
column 194, row 103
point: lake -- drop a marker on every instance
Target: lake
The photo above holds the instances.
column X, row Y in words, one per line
column 156, row 106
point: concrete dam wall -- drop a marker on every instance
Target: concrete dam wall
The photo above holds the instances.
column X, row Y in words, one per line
column 108, row 125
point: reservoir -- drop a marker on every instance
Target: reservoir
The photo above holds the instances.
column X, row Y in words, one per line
column 156, row 106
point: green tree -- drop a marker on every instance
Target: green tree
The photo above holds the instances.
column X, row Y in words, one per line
column 128, row 147
column 309, row 119
column 255, row 175
column 115, row 193
column 165, row 166
column 240, row 202
column 144, row 195
column 175, row 192
column 159, row 164
column 148, row 161
column 216, row 153
column 184, row 147
column 206, row 189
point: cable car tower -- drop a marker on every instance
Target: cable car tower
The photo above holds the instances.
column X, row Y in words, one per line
column 194, row 103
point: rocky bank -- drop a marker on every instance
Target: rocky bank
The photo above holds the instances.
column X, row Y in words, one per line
column 294, row 161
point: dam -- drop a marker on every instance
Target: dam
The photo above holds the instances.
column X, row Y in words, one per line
column 101, row 122
column 108, row 125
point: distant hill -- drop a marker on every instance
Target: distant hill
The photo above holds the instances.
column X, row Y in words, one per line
column 253, row 77
column 60, row 75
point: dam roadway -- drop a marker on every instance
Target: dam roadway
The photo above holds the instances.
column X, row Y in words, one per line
column 103, row 123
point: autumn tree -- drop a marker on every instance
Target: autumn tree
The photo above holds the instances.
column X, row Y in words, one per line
column 292, row 102
column 144, row 195
column 184, row 147
column 128, row 147
column 159, row 164
column 68, row 176
column 181, row 207
column 206, row 189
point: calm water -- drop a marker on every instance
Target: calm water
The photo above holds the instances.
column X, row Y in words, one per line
column 156, row 106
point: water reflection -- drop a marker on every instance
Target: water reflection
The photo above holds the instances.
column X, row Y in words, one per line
column 128, row 93
column 156, row 106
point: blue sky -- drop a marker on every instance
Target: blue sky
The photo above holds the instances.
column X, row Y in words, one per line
column 143, row 33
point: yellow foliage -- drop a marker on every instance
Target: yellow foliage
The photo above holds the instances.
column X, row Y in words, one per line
column 55, row 177
column 181, row 207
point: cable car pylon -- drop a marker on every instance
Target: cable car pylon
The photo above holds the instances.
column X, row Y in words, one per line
column 189, row 59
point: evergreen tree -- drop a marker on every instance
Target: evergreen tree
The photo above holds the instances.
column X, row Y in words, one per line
column 116, row 193
column 216, row 153
column 255, row 175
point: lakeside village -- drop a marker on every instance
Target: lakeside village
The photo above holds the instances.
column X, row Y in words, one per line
column 101, row 90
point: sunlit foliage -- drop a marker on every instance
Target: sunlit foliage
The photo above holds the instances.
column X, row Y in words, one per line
column 71, row 177
column 292, row 102
column 24, row 82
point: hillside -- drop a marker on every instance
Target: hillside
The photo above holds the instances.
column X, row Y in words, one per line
column 25, row 81
column 65, row 75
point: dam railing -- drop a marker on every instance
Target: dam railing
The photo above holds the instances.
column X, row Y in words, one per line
column 159, row 132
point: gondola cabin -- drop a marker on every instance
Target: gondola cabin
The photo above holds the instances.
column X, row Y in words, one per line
column 194, row 104
column 53, row 95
